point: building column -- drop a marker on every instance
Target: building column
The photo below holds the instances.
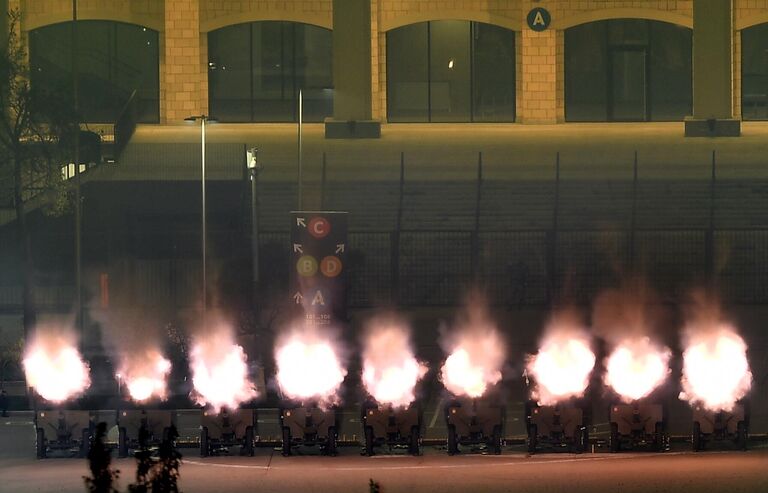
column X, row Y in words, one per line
column 183, row 75
column 712, row 71
column 538, row 92
column 352, row 72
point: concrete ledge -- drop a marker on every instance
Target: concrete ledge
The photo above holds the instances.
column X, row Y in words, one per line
column 712, row 127
column 352, row 129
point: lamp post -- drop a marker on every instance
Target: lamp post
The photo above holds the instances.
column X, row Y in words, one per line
column 203, row 119
column 253, row 166
column 78, row 198
column 300, row 171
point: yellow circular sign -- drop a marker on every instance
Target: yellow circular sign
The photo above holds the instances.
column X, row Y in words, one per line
column 306, row 266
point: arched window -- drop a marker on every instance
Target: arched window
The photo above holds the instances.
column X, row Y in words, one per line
column 114, row 59
column 256, row 70
column 754, row 73
column 450, row 71
column 628, row 70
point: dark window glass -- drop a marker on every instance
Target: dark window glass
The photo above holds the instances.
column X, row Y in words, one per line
column 113, row 59
column 272, row 65
column 408, row 73
column 754, row 73
column 627, row 32
column 230, row 92
column 314, row 70
column 450, row 71
column 272, row 61
column 671, row 91
column 493, row 73
column 628, row 70
column 586, row 66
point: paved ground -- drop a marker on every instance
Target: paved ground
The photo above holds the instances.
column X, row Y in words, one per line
column 513, row 471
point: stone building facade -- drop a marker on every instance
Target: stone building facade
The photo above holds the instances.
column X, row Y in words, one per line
column 183, row 26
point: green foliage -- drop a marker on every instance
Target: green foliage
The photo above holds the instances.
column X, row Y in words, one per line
column 37, row 127
column 10, row 356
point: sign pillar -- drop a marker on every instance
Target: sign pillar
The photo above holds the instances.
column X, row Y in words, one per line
column 318, row 266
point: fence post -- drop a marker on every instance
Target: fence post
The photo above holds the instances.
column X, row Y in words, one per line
column 553, row 234
column 394, row 248
column 710, row 247
column 476, row 232
column 633, row 218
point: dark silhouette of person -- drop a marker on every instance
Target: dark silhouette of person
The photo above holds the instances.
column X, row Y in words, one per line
column 144, row 460
column 145, row 434
column 165, row 481
column 99, row 460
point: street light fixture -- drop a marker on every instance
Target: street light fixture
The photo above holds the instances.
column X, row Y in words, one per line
column 203, row 119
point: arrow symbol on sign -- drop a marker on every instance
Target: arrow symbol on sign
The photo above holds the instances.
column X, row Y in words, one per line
column 340, row 248
column 297, row 248
column 300, row 222
column 297, row 298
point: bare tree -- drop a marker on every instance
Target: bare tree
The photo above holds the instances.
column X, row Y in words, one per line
column 37, row 128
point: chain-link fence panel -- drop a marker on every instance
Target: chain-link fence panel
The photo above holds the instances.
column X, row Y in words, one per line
column 435, row 267
column 513, row 267
column 370, row 269
column 741, row 263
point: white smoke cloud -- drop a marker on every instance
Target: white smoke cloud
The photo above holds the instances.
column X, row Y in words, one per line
column 390, row 368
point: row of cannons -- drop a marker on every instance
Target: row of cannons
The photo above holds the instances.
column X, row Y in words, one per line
column 472, row 424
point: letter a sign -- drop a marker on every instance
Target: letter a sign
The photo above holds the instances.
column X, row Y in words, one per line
column 539, row 19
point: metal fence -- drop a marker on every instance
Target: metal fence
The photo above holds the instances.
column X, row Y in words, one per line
column 524, row 239
column 518, row 268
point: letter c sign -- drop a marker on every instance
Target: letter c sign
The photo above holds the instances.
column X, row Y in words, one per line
column 319, row 227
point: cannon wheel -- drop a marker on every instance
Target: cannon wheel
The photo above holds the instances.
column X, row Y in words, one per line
column 248, row 441
column 204, row 445
column 40, row 443
column 696, row 437
column 453, row 446
column 741, row 435
column 533, row 435
column 582, row 440
column 122, row 443
column 286, row 441
column 613, row 440
column 368, row 434
column 331, row 447
column 658, row 438
column 414, row 445
column 496, row 440
column 85, row 444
